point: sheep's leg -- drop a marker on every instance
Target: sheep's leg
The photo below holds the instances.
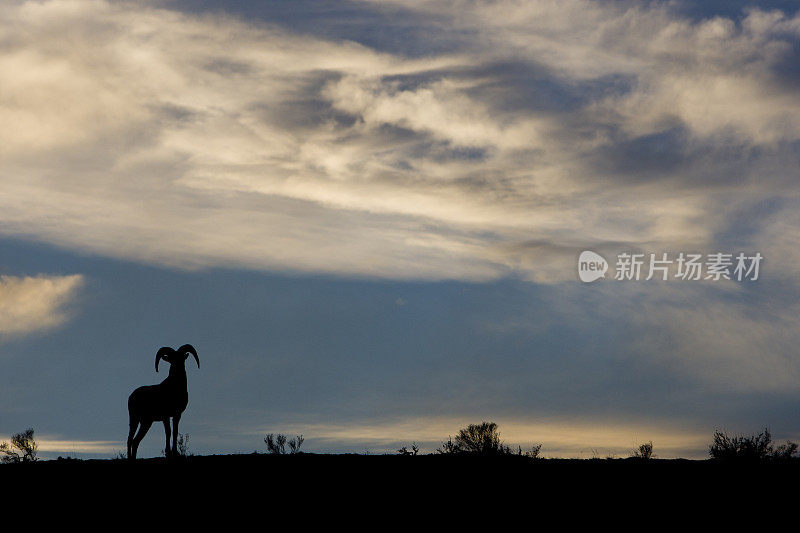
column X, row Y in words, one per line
column 175, row 420
column 133, row 424
column 166, row 432
column 143, row 428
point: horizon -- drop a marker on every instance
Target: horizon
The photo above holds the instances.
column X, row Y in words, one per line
column 381, row 221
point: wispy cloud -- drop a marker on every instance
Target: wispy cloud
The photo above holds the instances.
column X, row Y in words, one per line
column 30, row 304
column 52, row 444
column 195, row 141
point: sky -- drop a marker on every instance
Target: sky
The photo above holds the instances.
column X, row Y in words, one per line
column 366, row 216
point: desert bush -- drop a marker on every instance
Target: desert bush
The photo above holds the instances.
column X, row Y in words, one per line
column 644, row 451
column 181, row 447
column 405, row 451
column 750, row 447
column 296, row 443
column 741, row 447
column 532, row 452
column 23, row 448
column 276, row 444
column 482, row 439
column 448, row 447
column 785, row 451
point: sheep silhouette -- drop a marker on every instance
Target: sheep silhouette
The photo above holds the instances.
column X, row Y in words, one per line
column 161, row 402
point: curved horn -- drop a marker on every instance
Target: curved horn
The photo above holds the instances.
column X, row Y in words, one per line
column 189, row 348
column 165, row 350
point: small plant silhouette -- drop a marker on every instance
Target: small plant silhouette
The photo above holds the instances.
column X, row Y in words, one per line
column 295, row 443
column 23, row 448
column 532, row 452
column 181, row 448
column 183, row 445
column 482, row 439
column 276, row 444
column 749, row 447
column 644, row 451
column 448, row 447
column 785, row 451
column 405, row 451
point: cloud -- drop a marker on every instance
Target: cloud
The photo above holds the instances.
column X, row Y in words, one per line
column 52, row 445
column 736, row 338
column 195, row 140
column 31, row 304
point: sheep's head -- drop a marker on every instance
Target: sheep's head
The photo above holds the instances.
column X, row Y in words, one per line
column 176, row 356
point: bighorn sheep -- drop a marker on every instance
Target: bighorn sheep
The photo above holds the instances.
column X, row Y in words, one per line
column 160, row 402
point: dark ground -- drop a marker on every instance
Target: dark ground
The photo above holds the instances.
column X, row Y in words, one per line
column 570, row 478
column 311, row 492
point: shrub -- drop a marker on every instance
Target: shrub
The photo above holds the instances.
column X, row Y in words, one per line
column 295, row 443
column 181, row 448
column 533, row 452
column 276, row 444
column 23, row 448
column 482, row 439
column 785, row 451
column 645, row 451
column 448, row 447
column 183, row 445
column 749, row 447
column 405, row 451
